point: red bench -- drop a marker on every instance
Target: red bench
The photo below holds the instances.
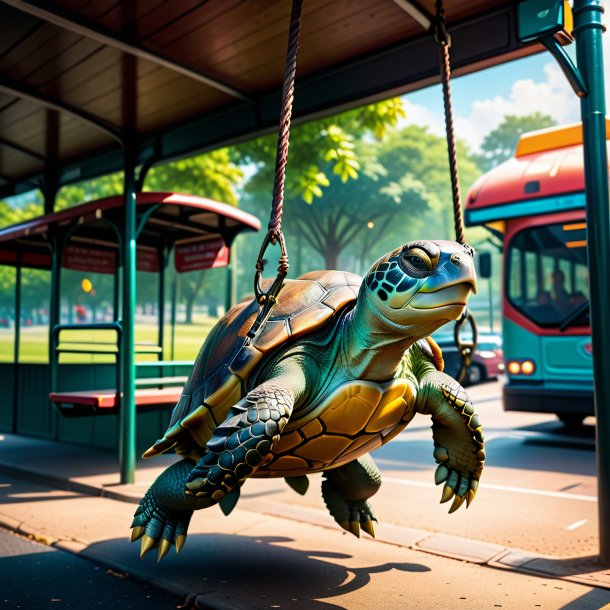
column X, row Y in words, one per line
column 107, row 399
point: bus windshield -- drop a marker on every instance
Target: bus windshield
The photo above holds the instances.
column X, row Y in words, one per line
column 547, row 277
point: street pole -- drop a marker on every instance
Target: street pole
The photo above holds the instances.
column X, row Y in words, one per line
column 127, row 441
column 588, row 29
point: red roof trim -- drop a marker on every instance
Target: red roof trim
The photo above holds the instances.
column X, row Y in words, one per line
column 87, row 211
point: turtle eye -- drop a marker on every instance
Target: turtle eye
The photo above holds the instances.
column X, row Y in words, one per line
column 417, row 262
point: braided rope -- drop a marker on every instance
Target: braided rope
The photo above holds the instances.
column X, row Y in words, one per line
column 281, row 159
column 444, row 42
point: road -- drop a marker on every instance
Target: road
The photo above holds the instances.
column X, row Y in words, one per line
column 538, row 490
column 34, row 575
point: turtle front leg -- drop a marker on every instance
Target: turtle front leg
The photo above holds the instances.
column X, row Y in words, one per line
column 165, row 511
column 458, row 439
column 241, row 442
column 346, row 490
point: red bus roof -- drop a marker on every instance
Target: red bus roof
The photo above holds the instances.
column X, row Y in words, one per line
column 166, row 218
column 547, row 164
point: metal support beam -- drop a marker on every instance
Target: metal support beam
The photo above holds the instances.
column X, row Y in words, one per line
column 416, row 11
column 52, row 165
column 27, row 92
column 73, row 22
column 588, row 29
column 22, row 149
column 16, row 334
column 127, row 442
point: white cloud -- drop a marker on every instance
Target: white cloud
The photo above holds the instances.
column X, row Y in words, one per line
column 417, row 114
column 552, row 95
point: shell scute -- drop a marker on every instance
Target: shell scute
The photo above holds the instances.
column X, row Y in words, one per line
column 225, row 362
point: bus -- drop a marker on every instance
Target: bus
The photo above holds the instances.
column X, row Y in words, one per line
column 535, row 204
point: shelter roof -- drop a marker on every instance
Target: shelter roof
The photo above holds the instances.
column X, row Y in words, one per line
column 203, row 74
column 165, row 219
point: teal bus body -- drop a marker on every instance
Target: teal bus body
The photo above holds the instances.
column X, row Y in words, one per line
column 535, row 203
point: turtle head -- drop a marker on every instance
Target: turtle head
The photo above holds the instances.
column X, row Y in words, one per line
column 421, row 286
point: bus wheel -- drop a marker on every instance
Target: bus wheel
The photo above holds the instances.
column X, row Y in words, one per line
column 571, row 420
column 475, row 374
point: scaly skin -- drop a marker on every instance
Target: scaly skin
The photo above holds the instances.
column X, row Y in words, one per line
column 346, row 490
column 458, row 439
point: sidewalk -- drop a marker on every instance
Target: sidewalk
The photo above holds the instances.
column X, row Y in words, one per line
column 269, row 554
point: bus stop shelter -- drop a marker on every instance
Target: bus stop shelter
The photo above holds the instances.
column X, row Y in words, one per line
column 90, row 87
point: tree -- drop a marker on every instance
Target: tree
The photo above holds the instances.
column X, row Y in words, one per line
column 500, row 144
column 325, row 155
column 319, row 149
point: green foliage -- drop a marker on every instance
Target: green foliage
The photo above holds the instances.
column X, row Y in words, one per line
column 501, row 143
column 211, row 175
column 319, row 149
column 89, row 190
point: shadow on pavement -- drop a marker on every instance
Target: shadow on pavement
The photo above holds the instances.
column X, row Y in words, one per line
column 251, row 571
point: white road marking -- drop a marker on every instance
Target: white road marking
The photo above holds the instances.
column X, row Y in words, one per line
column 576, row 525
column 519, row 490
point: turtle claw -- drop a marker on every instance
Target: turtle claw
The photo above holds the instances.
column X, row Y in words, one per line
column 367, row 526
column 158, row 526
column 457, row 502
column 447, row 493
column 180, row 540
column 136, row 533
column 147, row 544
column 164, row 547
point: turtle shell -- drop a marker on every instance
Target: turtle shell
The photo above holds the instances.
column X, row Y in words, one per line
column 225, row 362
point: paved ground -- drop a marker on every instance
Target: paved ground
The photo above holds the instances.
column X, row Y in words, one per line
column 256, row 561
column 280, row 550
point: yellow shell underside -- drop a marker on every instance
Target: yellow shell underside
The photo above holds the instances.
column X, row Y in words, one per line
column 356, row 418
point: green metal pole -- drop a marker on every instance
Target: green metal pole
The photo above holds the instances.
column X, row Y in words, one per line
column 127, row 456
column 230, row 297
column 161, row 302
column 17, row 333
column 588, row 34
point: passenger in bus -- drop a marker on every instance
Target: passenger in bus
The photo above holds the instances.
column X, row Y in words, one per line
column 543, row 310
column 559, row 294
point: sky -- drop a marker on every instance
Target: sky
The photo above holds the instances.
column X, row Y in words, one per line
column 481, row 100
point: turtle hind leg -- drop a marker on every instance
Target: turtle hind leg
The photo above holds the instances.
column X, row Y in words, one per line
column 241, row 442
column 346, row 490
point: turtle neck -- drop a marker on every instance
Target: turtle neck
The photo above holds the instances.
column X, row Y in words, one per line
column 373, row 346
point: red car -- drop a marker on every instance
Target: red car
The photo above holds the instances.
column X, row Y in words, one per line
column 488, row 359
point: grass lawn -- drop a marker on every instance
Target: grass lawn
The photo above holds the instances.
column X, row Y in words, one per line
column 34, row 344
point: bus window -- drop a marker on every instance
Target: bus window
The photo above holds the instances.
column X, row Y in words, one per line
column 552, row 260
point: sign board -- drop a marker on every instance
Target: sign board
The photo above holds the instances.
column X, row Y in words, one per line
column 147, row 260
column 93, row 260
column 89, row 259
column 201, row 255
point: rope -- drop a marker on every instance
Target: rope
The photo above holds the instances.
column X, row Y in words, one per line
column 444, row 43
column 267, row 298
column 281, row 159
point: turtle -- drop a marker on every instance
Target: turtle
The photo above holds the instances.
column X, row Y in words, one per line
column 340, row 367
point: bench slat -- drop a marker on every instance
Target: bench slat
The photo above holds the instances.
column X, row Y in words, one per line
column 106, row 399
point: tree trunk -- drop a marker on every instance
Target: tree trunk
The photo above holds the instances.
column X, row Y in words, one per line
column 190, row 302
column 331, row 257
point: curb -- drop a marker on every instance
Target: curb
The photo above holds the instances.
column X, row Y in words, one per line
column 584, row 571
